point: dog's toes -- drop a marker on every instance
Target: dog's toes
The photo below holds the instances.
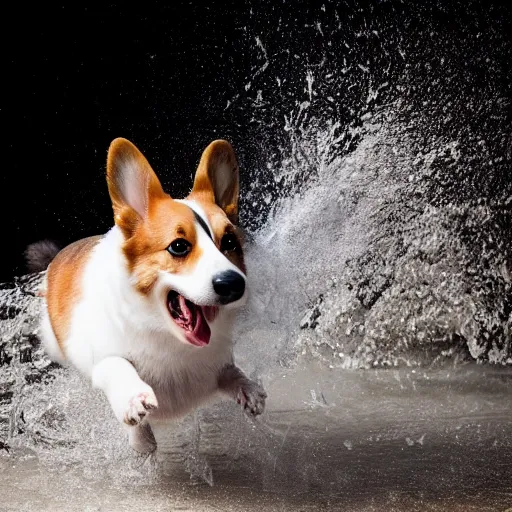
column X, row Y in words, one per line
column 252, row 398
column 139, row 406
column 149, row 401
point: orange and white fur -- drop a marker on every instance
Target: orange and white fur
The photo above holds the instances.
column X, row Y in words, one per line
column 146, row 310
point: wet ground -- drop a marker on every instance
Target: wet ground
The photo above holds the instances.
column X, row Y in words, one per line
column 401, row 440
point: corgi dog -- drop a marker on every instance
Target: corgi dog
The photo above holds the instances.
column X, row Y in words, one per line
column 146, row 310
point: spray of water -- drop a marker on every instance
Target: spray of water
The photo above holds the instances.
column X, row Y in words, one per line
column 381, row 215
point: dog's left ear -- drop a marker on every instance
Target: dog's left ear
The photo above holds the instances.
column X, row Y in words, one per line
column 217, row 178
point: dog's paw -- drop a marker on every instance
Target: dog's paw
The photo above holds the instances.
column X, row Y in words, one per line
column 139, row 406
column 251, row 397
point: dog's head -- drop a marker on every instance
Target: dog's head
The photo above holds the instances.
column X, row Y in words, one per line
column 185, row 255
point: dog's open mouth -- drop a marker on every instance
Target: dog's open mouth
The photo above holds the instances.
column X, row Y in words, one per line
column 193, row 319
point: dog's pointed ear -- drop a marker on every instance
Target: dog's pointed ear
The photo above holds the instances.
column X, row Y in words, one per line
column 217, row 178
column 132, row 183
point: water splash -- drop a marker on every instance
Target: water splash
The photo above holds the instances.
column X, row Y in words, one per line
column 381, row 219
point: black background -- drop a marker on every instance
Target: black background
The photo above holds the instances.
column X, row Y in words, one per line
column 76, row 78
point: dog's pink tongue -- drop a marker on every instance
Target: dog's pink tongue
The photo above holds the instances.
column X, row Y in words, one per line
column 200, row 333
column 201, row 330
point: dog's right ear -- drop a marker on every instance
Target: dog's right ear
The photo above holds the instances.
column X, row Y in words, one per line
column 132, row 184
column 216, row 178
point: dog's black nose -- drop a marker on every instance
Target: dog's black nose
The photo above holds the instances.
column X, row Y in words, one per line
column 229, row 285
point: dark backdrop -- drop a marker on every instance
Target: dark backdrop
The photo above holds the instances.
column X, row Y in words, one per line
column 75, row 78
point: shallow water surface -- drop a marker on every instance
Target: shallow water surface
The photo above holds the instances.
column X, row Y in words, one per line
column 338, row 440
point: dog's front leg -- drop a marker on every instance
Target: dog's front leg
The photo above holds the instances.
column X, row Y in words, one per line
column 130, row 397
column 245, row 391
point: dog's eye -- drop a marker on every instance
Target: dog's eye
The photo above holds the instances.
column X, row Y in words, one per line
column 179, row 247
column 228, row 243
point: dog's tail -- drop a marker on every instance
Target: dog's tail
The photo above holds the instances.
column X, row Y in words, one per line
column 40, row 254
